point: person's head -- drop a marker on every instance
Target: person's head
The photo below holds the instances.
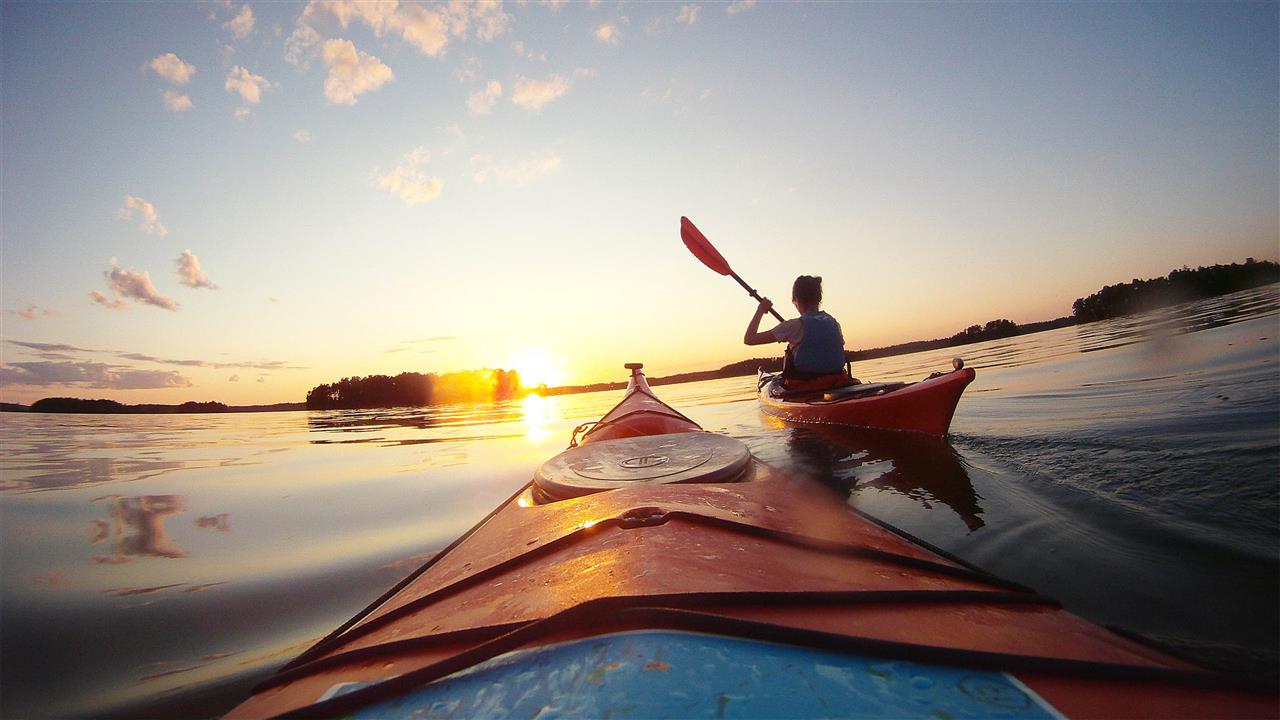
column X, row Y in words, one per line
column 806, row 293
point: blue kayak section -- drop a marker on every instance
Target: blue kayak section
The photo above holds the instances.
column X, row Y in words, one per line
column 666, row 674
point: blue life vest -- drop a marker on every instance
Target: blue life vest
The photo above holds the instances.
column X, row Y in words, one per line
column 821, row 350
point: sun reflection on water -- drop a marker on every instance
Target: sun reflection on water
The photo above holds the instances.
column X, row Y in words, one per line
column 539, row 414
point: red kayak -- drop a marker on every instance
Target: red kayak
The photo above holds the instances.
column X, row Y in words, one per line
column 657, row 570
column 926, row 406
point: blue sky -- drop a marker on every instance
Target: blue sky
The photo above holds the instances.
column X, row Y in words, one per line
column 444, row 186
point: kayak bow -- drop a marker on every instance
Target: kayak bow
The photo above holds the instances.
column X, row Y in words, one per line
column 658, row 570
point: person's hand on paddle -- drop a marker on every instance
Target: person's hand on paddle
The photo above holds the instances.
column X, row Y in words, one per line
column 765, row 306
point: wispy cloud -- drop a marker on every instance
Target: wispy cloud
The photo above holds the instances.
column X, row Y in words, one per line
column 143, row 357
column 190, row 272
column 738, row 6
column 175, row 102
column 90, row 374
column 245, row 84
column 352, row 72
column 31, row 312
column 148, row 217
column 421, row 345
column 409, row 180
column 303, row 136
column 241, row 26
column 134, row 285
column 234, row 378
column 172, row 68
column 533, row 94
column 482, row 102
column 688, row 14
column 48, row 347
column 513, row 172
column 607, row 33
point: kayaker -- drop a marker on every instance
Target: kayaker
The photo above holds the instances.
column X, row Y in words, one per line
column 815, row 344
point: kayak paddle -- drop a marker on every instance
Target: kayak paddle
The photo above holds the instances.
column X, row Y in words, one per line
column 702, row 249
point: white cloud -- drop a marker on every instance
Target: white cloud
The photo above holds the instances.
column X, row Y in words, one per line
column 190, row 272
column 296, row 48
column 241, row 113
column 247, row 85
column 424, row 29
column 410, row 181
column 606, row 33
column 533, row 94
column 134, row 285
column 113, row 303
column 553, row 5
column 427, row 28
column 351, row 72
column 303, row 136
column 242, row 24
column 489, row 18
column 172, row 68
column 738, row 6
column 582, row 73
column 516, row 172
column 482, row 102
column 688, row 14
column 175, row 102
column 148, row 218
column 470, row 70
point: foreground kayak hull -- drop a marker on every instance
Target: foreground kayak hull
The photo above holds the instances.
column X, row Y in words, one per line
column 753, row 594
column 924, row 407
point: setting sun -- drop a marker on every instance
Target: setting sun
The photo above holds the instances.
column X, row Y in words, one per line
column 537, row 367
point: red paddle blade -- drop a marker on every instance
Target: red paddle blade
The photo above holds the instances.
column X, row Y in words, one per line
column 702, row 248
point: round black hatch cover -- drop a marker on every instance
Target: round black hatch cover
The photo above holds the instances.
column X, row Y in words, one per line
column 673, row 458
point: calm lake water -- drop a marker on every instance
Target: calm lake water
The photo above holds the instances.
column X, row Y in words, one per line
column 160, row 565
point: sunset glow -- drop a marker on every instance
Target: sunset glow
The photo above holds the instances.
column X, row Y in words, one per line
column 240, row 201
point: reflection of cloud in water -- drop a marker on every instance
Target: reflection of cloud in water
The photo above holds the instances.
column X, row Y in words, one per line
column 130, row 592
column 51, row 579
column 203, row 587
column 217, row 522
column 143, row 517
column 73, row 472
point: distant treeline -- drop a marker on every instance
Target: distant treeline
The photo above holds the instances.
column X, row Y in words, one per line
column 413, row 389
column 1178, row 287
column 78, row 405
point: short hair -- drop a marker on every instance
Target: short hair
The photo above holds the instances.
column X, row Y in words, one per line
column 807, row 289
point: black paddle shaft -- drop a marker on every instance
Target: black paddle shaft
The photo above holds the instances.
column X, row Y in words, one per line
column 752, row 292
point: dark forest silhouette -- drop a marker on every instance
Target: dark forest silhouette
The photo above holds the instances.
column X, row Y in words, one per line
column 414, row 389
column 1178, row 287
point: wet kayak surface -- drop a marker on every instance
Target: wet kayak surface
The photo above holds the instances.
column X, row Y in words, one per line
column 160, row 565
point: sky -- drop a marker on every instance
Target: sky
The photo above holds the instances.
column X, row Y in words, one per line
column 237, row 201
